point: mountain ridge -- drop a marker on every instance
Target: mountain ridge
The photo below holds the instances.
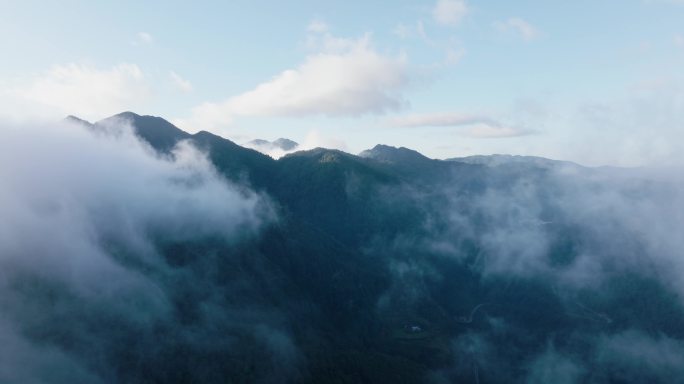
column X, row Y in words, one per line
column 394, row 267
column 164, row 134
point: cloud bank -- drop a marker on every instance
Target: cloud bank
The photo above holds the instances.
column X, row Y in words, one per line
column 519, row 27
column 92, row 91
column 551, row 272
column 450, row 12
column 476, row 126
column 180, row 83
column 143, row 38
column 95, row 282
column 343, row 77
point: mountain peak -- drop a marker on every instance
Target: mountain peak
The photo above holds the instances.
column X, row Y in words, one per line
column 498, row 160
column 273, row 148
column 285, row 144
column 259, row 142
column 127, row 114
column 389, row 154
column 78, row 120
column 151, row 128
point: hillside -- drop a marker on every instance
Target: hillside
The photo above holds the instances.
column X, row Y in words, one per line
column 327, row 267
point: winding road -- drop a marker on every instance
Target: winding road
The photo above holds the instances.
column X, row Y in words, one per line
column 469, row 319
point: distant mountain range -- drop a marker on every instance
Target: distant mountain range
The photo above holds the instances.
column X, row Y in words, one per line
column 391, row 267
column 276, row 148
column 164, row 135
column 284, row 144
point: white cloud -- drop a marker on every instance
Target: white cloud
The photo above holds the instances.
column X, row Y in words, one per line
column 408, row 31
column 73, row 203
column 343, row 77
column 450, row 12
column 452, row 48
column 84, row 90
column 454, row 55
column 270, row 149
column 437, row 120
column 317, row 26
column 476, row 126
column 494, row 131
column 645, row 127
column 679, row 41
column 519, row 27
column 314, row 139
column 403, row 31
column 180, row 83
column 143, row 38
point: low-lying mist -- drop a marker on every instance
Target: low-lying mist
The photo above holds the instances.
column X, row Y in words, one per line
column 555, row 273
column 124, row 261
column 93, row 284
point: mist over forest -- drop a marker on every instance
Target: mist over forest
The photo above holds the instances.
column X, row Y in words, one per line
column 132, row 251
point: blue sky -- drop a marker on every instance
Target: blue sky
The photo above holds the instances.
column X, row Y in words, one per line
column 598, row 82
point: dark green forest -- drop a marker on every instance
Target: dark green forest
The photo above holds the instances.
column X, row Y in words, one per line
column 386, row 267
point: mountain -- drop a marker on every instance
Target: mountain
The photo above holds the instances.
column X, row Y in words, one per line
column 413, row 165
column 155, row 130
column 391, row 267
column 277, row 146
column 514, row 160
column 393, row 155
column 258, row 142
column 78, row 121
column 234, row 161
column 285, row 144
